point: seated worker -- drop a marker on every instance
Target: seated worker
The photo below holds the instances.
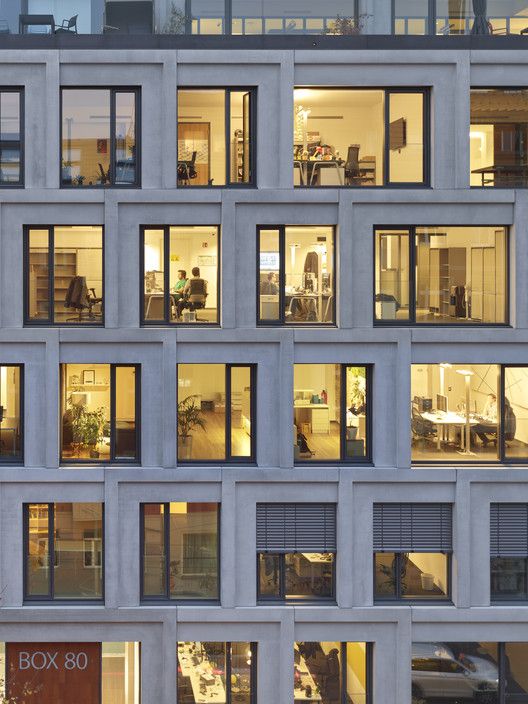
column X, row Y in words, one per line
column 180, row 284
column 194, row 293
column 268, row 287
column 487, row 424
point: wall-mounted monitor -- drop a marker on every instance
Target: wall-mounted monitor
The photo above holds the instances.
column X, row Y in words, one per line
column 397, row 134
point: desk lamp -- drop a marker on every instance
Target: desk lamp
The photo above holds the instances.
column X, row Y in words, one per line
column 467, row 374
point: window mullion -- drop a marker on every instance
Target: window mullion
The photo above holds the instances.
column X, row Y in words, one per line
column 51, row 274
column 51, row 551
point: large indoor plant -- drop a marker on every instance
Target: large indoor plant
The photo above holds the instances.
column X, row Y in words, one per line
column 87, row 428
column 190, row 416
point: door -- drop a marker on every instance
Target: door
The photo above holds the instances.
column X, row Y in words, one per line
column 195, row 137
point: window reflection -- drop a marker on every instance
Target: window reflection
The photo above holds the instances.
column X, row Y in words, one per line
column 10, row 138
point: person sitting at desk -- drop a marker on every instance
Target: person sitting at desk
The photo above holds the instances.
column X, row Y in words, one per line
column 194, row 293
column 268, row 287
column 487, row 424
column 180, row 284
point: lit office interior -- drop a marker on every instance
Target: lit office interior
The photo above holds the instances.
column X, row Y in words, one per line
column 214, row 137
column 489, row 672
column 98, row 137
column 215, row 412
column 64, row 551
column 330, row 404
column 98, row 412
column 458, row 16
column 181, row 274
column 341, row 135
column 10, row 413
column 10, row 138
column 296, row 576
column 216, row 672
column 460, row 275
column 296, row 275
column 331, row 673
column 180, row 551
column 411, row 575
column 499, row 137
column 64, row 277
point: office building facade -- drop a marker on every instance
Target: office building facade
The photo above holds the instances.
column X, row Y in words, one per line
column 264, row 352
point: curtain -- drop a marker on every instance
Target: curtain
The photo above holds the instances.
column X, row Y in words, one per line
column 480, row 25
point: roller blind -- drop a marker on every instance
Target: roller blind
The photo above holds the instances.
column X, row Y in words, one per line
column 509, row 530
column 296, row 528
column 413, row 528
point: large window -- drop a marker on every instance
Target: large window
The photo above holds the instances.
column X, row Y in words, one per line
column 509, row 552
column 296, row 281
column 455, row 17
column 469, row 413
column 216, row 411
column 217, row 672
column 180, row 551
column 100, row 137
column 181, row 274
column 331, row 413
column 64, row 551
column 216, row 136
column 356, row 137
column 493, row 673
column 99, row 411
column 332, row 672
column 499, row 137
column 11, row 137
column 441, row 275
column 11, row 413
column 63, row 270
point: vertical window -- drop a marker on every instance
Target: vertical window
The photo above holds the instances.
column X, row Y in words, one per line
column 331, row 413
column 509, row 552
column 180, row 551
column 442, row 275
column 411, row 17
column 99, row 137
column 227, row 671
column 63, row 270
column 216, row 137
column 332, row 672
column 99, row 408
column 11, row 413
column 187, row 289
column 63, row 551
column 352, row 137
column 11, row 135
column 216, row 409
column 296, row 282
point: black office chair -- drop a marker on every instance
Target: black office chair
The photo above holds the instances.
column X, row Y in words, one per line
column 421, row 428
column 67, row 26
column 187, row 170
column 352, row 173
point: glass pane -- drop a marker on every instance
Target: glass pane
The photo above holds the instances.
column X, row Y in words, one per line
column 317, row 673
column 154, row 275
column 356, row 412
column 309, row 575
column 454, row 17
column 515, row 413
column 424, row 575
column 309, row 275
column 406, row 137
column 38, row 275
column 79, row 551
column 193, row 551
column 85, row 408
column 38, row 576
column 201, row 672
column 392, row 276
column 515, row 673
column 120, row 673
column 193, row 273
column 154, row 550
column 10, row 418
column 241, row 657
column 509, row 578
column 201, row 412
column 125, row 139
column 207, row 16
column 269, row 272
column 241, row 412
column 269, row 575
column 297, row 17
column 356, row 673
column 455, row 415
column 201, row 138
column 317, row 412
column 240, row 137
column 384, row 575
column 125, row 413
column 411, row 16
column 499, row 138
column 10, row 166
column 461, row 275
column 85, row 137
column 62, row 10
column 338, row 137
column 78, row 275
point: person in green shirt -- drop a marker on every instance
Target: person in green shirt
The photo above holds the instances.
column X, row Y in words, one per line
column 180, row 284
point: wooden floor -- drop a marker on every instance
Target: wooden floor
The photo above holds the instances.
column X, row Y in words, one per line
column 427, row 451
column 209, row 444
column 326, row 447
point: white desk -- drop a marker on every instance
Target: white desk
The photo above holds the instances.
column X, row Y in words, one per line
column 446, row 420
column 317, row 414
column 305, row 679
column 216, row 693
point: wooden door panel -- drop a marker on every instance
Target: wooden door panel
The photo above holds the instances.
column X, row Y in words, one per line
column 195, row 136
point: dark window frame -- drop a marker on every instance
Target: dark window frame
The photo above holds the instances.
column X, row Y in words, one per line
column 411, row 322
column 283, row 598
column 166, row 598
column 426, row 118
column 281, row 322
column 113, row 90
column 19, row 461
column 496, row 598
column 398, row 597
column 49, row 598
column 112, row 460
column 343, row 460
column 144, row 322
column 229, row 458
column 20, row 144
column 253, row 106
column 49, row 322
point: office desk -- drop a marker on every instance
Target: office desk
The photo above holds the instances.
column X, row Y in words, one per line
column 511, row 175
column 319, row 299
column 305, row 678
column 216, row 693
column 317, row 414
column 446, row 420
column 25, row 21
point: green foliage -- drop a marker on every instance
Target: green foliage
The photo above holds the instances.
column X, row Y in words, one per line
column 175, row 23
column 190, row 416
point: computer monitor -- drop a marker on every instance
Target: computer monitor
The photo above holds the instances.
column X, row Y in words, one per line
column 441, row 403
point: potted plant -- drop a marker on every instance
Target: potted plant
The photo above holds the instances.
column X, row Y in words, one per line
column 87, row 428
column 66, row 171
column 190, row 416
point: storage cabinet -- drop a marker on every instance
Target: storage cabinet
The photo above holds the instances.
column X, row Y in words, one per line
column 65, row 269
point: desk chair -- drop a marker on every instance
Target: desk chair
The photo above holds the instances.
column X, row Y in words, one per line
column 93, row 300
column 197, row 292
column 352, row 172
column 104, row 175
column 421, row 429
column 187, row 170
column 67, row 26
